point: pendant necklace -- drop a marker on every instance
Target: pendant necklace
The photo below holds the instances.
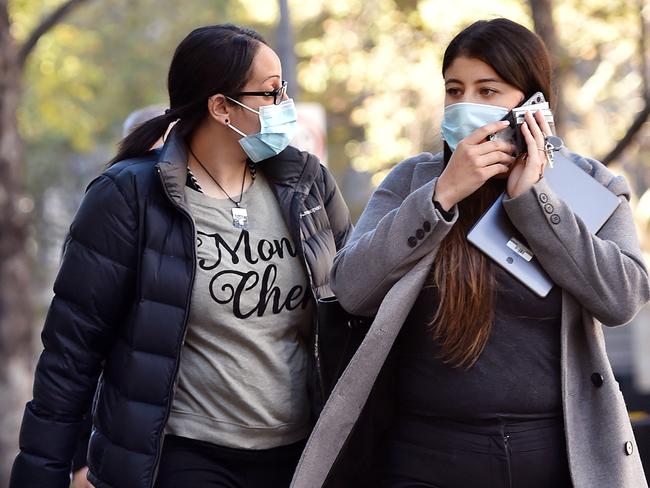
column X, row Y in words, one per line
column 239, row 214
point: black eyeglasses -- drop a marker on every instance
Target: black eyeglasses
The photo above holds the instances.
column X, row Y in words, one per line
column 277, row 94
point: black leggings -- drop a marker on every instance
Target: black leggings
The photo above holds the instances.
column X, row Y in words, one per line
column 189, row 463
column 426, row 453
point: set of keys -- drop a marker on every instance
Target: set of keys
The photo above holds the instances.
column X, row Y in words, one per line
column 552, row 144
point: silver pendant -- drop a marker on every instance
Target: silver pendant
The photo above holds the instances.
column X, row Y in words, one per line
column 240, row 218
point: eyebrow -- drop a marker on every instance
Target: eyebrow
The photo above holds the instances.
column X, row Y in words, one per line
column 269, row 77
column 482, row 80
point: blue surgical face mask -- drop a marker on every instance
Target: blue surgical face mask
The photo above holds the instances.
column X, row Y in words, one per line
column 278, row 124
column 461, row 119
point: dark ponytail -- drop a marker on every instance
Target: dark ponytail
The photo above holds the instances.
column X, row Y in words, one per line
column 143, row 137
column 210, row 60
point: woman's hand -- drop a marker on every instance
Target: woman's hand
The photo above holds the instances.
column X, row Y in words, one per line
column 474, row 161
column 529, row 167
column 79, row 479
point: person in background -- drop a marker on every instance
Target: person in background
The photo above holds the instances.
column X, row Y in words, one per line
column 184, row 316
column 142, row 115
column 476, row 380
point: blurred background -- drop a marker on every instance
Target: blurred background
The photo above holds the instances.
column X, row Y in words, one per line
column 367, row 78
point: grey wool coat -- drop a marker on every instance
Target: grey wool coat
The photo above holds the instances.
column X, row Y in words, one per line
column 382, row 269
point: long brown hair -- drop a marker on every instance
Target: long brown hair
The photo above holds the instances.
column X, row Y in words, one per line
column 464, row 276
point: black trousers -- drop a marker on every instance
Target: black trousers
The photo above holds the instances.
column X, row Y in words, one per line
column 426, row 453
column 188, row 463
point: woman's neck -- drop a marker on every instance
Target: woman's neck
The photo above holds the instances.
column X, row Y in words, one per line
column 217, row 160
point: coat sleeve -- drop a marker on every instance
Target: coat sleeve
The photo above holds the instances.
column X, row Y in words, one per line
column 605, row 272
column 91, row 294
column 397, row 228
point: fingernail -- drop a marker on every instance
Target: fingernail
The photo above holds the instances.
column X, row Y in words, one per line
column 505, row 122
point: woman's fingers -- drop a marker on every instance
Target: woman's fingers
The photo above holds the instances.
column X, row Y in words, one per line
column 495, row 157
column 494, row 169
column 79, row 479
column 543, row 124
column 480, row 134
column 535, row 130
column 528, row 136
column 536, row 160
column 498, row 145
column 531, row 144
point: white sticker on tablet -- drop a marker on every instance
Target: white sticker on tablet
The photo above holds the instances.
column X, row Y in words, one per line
column 520, row 249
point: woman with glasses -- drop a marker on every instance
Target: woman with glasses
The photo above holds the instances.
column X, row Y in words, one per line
column 468, row 378
column 183, row 320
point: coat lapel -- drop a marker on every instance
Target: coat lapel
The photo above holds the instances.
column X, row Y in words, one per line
column 426, row 171
column 353, row 388
column 344, row 405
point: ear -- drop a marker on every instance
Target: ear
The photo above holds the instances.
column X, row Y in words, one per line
column 219, row 109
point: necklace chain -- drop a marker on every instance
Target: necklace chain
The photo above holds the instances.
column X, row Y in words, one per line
column 243, row 181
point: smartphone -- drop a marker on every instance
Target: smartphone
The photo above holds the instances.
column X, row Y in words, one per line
column 512, row 134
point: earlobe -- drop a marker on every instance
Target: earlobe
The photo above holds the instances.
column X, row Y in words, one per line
column 218, row 109
column 222, row 118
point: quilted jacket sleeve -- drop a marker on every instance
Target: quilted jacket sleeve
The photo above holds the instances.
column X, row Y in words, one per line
column 91, row 295
column 337, row 210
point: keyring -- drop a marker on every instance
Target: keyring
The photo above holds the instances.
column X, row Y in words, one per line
column 556, row 143
column 552, row 144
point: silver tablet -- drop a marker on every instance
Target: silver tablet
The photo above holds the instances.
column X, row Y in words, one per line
column 498, row 238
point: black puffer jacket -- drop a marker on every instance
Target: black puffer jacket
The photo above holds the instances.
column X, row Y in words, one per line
column 120, row 309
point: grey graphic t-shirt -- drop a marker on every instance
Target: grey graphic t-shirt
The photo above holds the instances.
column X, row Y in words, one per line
column 242, row 378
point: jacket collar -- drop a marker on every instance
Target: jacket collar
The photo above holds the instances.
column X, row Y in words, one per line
column 172, row 166
column 291, row 168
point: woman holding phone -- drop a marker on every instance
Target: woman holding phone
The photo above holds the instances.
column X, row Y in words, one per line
column 468, row 378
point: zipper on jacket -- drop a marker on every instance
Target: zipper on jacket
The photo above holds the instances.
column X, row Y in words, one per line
column 301, row 237
column 185, row 319
column 506, row 445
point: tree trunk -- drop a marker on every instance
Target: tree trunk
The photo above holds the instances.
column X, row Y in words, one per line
column 16, row 332
column 15, row 291
column 542, row 13
column 285, row 49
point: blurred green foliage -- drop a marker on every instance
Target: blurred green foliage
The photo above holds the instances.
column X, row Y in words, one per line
column 375, row 66
column 88, row 73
